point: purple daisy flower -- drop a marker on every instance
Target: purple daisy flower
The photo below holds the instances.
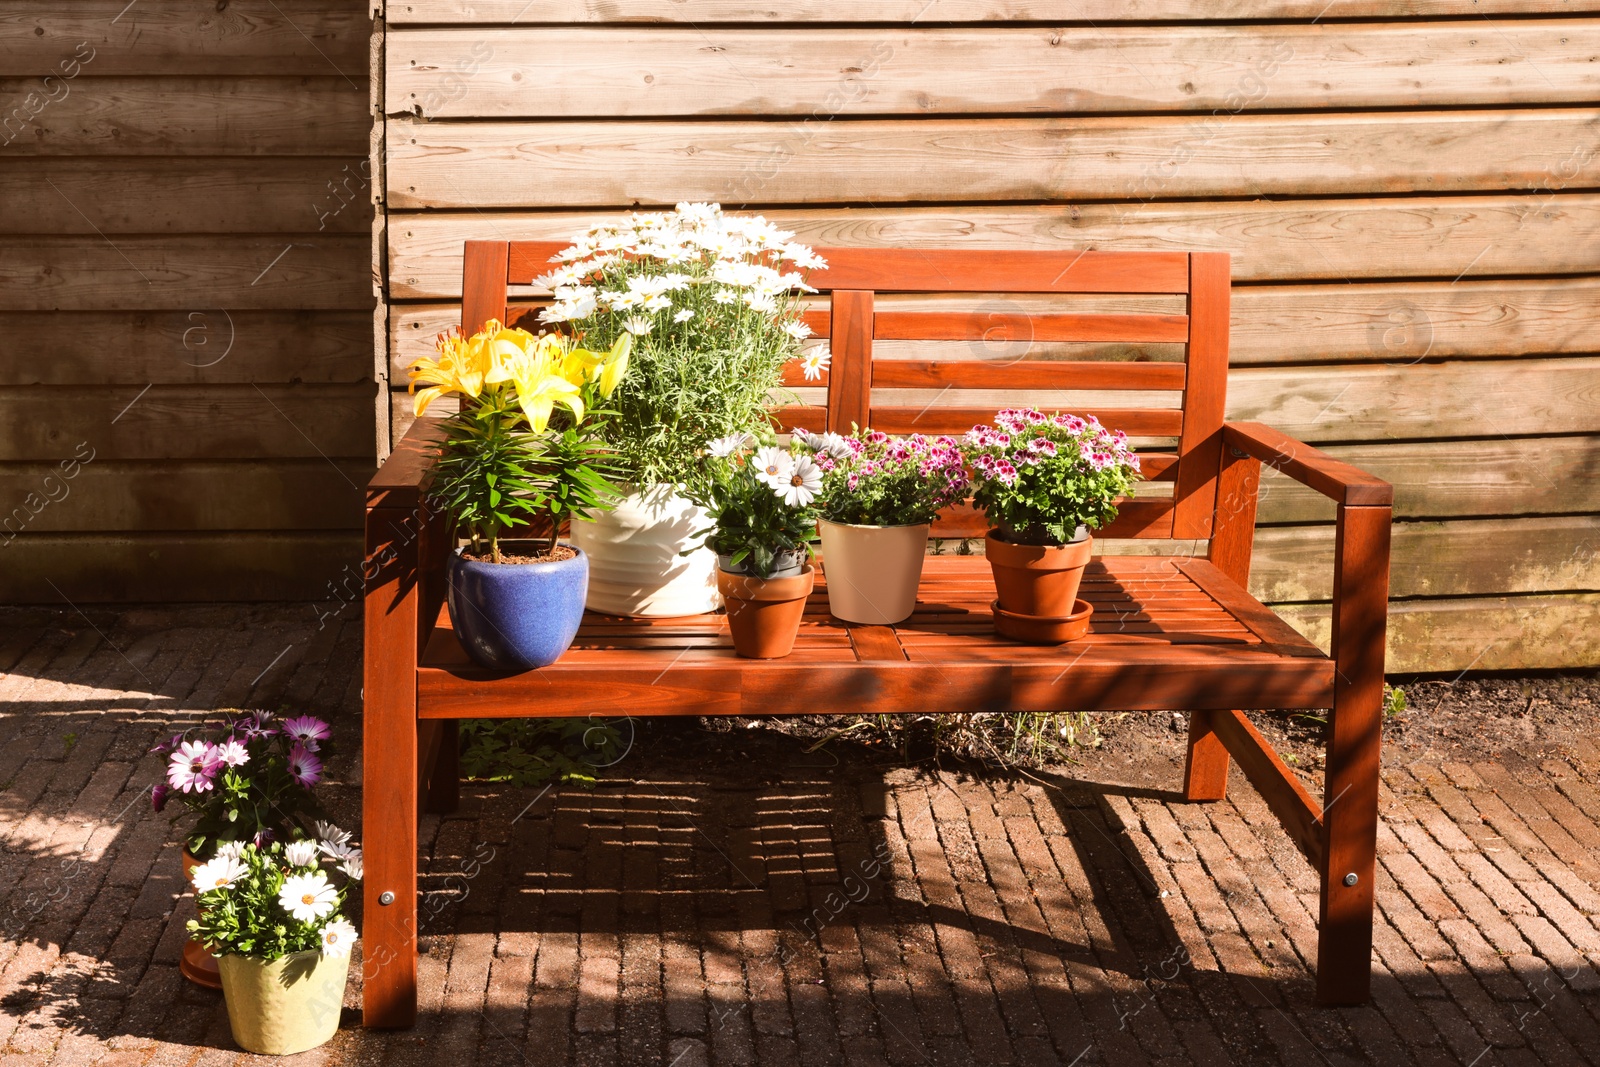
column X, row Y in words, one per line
column 306, row 731
column 158, row 796
column 255, row 727
column 194, row 767
column 304, row 767
column 168, row 745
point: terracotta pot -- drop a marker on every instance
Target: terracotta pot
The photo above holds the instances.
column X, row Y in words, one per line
column 1043, row 630
column 196, row 964
column 764, row 613
column 637, row 561
column 1038, row 580
column 873, row 571
column 286, row 1006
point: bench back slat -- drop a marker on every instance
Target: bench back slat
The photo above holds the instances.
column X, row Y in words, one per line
column 1186, row 398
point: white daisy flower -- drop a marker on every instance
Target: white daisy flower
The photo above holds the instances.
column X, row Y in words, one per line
column 658, row 303
column 218, row 873
column 638, row 325
column 762, row 302
column 352, row 864
column 834, row 445
column 772, row 465
column 797, row 329
column 683, row 316
column 814, row 362
column 308, row 897
column 337, row 849
column 233, row 753
column 337, row 937
column 723, row 447
column 802, row 485
column 231, row 849
column 724, row 296
column 300, row 853
column 326, row 831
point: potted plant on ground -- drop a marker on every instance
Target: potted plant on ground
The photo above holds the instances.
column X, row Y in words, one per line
column 760, row 501
column 277, row 924
column 712, row 304
column 248, row 780
column 879, row 497
column 524, row 446
column 1044, row 481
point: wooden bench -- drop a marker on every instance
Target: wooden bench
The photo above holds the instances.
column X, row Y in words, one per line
column 1170, row 632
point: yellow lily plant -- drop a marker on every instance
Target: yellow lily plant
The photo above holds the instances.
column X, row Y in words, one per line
column 544, row 371
column 494, row 475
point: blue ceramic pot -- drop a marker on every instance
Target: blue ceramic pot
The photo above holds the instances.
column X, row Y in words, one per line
column 517, row 616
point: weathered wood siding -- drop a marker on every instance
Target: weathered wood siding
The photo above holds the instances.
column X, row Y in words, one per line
column 1406, row 190
column 186, row 300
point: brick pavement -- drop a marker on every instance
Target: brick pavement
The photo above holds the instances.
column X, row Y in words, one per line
column 728, row 898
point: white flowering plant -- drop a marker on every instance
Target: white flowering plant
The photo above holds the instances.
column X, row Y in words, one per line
column 761, row 498
column 712, row 302
column 872, row 479
column 1039, row 477
column 274, row 900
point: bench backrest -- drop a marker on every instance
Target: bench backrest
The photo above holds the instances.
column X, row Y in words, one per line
column 1176, row 406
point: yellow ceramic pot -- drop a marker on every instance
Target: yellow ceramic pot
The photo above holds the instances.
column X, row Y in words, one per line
column 285, row 1006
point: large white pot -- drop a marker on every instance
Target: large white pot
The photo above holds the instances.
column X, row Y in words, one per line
column 636, row 560
column 872, row 571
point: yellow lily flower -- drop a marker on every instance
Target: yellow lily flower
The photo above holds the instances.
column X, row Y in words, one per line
column 461, row 368
column 615, row 365
column 578, row 364
column 540, row 386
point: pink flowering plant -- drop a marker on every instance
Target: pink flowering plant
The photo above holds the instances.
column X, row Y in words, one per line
column 273, row 900
column 1039, row 477
column 248, row 780
column 762, row 498
column 872, row 479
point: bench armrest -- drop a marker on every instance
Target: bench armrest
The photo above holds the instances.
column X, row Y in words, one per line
column 400, row 481
column 1309, row 466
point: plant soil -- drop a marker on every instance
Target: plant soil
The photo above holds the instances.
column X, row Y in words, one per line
column 561, row 552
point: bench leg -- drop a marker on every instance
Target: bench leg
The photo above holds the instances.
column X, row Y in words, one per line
column 389, row 773
column 389, row 931
column 1354, row 740
column 1205, row 774
column 444, row 777
column 1350, row 832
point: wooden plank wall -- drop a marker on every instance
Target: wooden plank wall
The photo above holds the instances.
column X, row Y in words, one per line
column 1410, row 203
column 186, row 302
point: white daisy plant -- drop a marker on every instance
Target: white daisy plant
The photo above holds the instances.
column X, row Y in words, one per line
column 760, row 497
column 713, row 303
column 273, row 900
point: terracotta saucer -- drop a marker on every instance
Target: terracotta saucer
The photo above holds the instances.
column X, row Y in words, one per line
column 1042, row 629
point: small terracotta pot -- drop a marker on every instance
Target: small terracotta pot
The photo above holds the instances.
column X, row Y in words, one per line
column 196, row 964
column 764, row 613
column 1037, row 580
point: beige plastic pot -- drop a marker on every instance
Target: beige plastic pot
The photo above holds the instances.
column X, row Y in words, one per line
column 285, row 1006
column 872, row 571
